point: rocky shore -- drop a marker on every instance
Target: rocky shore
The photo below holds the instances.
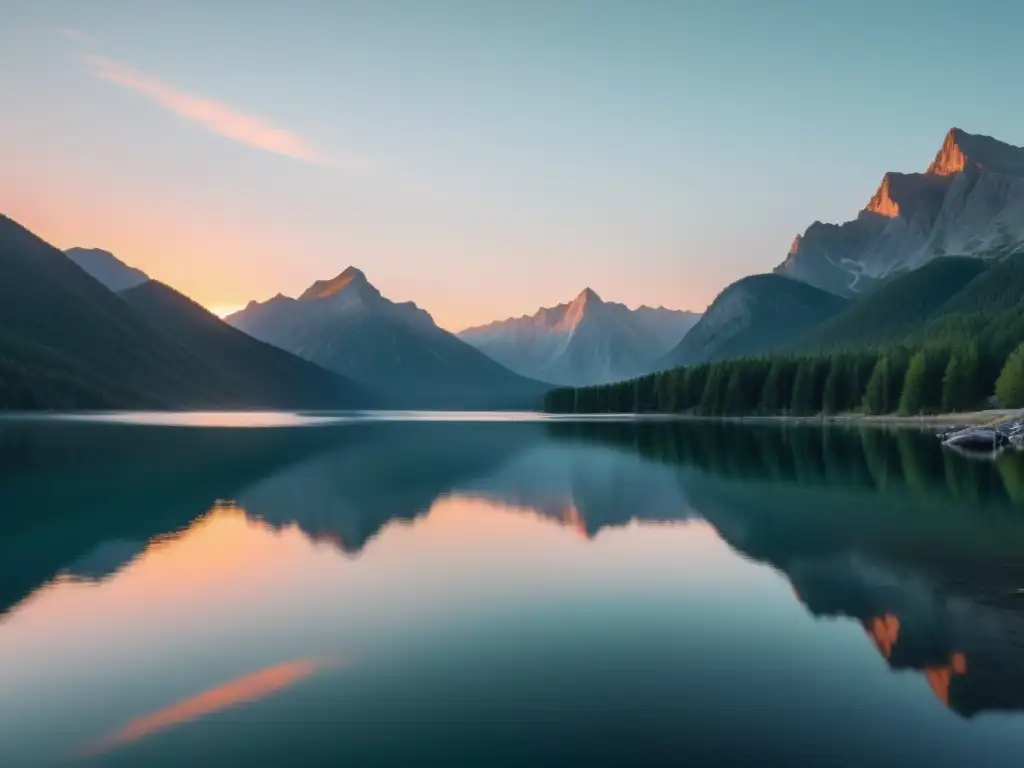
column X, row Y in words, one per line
column 985, row 441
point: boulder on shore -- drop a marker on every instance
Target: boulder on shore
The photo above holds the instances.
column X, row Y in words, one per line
column 985, row 441
column 977, row 439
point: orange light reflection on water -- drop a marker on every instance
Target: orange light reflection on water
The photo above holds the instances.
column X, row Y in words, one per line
column 241, row 690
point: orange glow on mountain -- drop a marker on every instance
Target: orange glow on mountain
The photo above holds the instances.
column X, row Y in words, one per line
column 939, row 678
column 882, row 203
column 241, row 690
column 950, row 158
column 885, row 631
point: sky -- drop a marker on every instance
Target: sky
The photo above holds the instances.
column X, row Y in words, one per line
column 482, row 159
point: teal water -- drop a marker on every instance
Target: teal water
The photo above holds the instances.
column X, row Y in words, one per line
column 325, row 590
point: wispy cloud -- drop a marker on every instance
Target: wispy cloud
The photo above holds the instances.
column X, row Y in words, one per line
column 216, row 116
column 74, row 34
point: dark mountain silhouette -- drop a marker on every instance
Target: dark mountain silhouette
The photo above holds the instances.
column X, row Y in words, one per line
column 262, row 373
column 107, row 268
column 66, row 341
column 347, row 326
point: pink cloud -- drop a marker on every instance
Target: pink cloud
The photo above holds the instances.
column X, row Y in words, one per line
column 74, row 34
column 217, row 117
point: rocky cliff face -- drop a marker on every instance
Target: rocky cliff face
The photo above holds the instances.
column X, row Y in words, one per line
column 586, row 341
column 969, row 201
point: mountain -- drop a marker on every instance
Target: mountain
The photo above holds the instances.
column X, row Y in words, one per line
column 970, row 201
column 998, row 288
column 347, row 326
column 897, row 307
column 261, row 373
column 107, row 268
column 68, row 342
column 752, row 316
column 587, row 341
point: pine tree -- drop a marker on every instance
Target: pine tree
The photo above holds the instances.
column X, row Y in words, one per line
column 777, row 393
column 696, row 380
column 682, row 402
column 1010, row 384
column 922, row 387
column 714, row 390
column 661, row 393
column 899, row 362
column 802, row 403
column 835, row 399
column 732, row 403
column 912, row 399
column 859, row 372
column 961, row 388
column 877, row 398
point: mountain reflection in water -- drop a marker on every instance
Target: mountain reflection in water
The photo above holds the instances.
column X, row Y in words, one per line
column 919, row 547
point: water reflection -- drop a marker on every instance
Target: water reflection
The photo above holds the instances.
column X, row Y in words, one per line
column 250, row 687
column 297, row 547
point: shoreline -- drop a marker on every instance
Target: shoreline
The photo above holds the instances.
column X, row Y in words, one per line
column 983, row 418
column 988, row 417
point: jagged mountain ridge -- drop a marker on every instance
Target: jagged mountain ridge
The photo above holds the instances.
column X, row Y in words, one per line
column 346, row 325
column 585, row 341
column 969, row 201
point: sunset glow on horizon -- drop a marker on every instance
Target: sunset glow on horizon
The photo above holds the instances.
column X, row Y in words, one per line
column 223, row 310
column 480, row 161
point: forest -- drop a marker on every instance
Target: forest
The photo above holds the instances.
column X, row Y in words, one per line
column 936, row 378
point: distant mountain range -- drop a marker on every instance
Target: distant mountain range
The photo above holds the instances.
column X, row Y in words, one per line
column 969, row 201
column 69, row 342
column 107, row 268
column 586, row 341
column 347, row 326
column 82, row 329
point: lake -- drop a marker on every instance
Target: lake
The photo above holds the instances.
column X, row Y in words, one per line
column 334, row 589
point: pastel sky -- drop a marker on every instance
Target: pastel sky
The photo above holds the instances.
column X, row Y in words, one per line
column 479, row 158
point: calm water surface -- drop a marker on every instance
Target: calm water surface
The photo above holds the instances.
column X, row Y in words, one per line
column 340, row 590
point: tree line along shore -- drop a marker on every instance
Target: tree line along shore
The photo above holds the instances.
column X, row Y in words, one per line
column 937, row 378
